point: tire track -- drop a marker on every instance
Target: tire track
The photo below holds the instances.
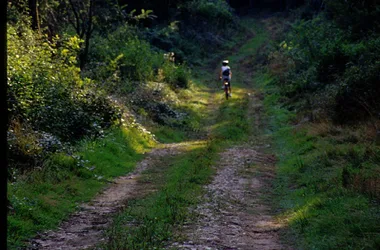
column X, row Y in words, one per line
column 84, row 229
column 233, row 214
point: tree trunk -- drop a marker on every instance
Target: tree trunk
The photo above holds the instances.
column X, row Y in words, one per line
column 84, row 54
column 33, row 13
column 38, row 18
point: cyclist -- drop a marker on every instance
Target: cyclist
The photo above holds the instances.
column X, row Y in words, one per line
column 226, row 74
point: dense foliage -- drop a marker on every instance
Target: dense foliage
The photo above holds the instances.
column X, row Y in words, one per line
column 49, row 102
column 322, row 99
column 67, row 57
column 332, row 61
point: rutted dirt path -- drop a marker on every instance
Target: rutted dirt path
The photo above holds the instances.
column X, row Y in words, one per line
column 84, row 229
column 233, row 214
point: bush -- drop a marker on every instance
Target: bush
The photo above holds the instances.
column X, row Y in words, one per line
column 216, row 11
column 131, row 60
column 358, row 18
column 45, row 87
column 123, row 58
column 49, row 102
column 320, row 58
column 158, row 102
column 360, row 83
column 83, row 113
column 176, row 76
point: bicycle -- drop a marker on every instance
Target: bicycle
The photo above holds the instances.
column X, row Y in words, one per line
column 225, row 88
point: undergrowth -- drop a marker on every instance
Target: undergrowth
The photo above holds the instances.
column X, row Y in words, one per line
column 327, row 178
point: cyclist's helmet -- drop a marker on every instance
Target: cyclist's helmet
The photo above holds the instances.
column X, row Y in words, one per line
column 225, row 62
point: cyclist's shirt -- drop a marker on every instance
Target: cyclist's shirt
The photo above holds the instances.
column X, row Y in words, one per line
column 224, row 68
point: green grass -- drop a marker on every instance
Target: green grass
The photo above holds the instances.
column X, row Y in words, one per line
column 322, row 180
column 41, row 199
column 251, row 47
column 148, row 223
column 166, row 134
column 232, row 123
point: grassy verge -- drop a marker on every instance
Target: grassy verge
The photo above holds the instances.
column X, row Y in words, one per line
column 326, row 181
column 42, row 198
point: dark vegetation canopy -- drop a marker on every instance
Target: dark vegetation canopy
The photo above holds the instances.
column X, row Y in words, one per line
column 332, row 54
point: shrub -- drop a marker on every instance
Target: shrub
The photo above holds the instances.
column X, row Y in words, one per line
column 359, row 85
column 82, row 113
column 124, row 54
column 358, row 18
column 320, row 58
column 159, row 102
column 216, row 11
column 176, row 76
column 48, row 100
column 46, row 89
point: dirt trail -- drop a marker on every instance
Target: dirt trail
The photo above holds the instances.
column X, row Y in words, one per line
column 234, row 213
column 84, row 229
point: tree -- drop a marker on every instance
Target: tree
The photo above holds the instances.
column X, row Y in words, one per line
column 81, row 17
column 33, row 7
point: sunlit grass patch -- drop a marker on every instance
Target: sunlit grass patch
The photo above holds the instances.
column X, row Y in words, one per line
column 117, row 153
column 167, row 134
column 232, row 123
column 341, row 220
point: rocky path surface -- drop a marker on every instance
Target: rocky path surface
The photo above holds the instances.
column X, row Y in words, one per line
column 84, row 229
column 234, row 213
